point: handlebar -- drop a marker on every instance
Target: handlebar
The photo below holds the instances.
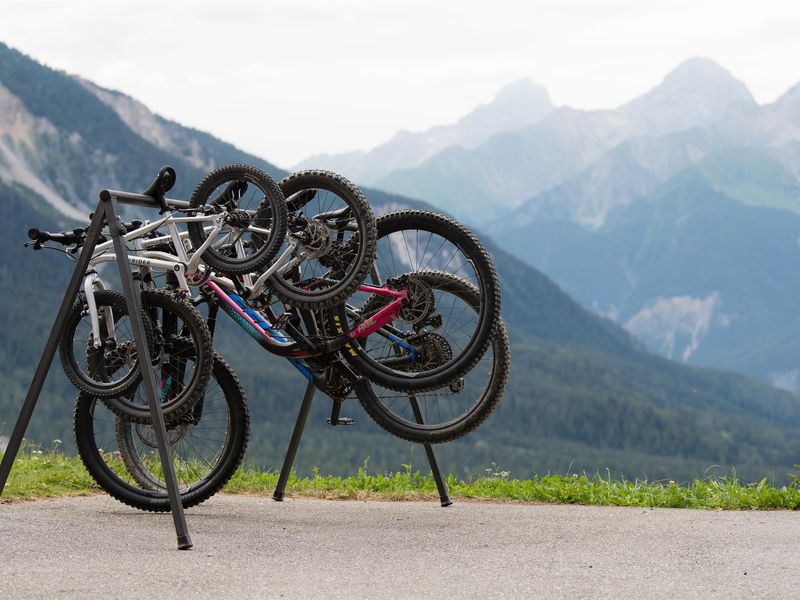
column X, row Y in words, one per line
column 152, row 197
column 75, row 236
column 64, row 238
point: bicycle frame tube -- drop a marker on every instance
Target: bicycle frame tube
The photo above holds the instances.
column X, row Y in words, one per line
column 266, row 339
column 291, row 349
column 178, row 265
column 382, row 317
column 282, row 260
column 176, row 237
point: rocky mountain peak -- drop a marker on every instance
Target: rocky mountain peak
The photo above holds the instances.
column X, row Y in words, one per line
column 696, row 70
column 524, row 91
column 791, row 99
column 697, row 92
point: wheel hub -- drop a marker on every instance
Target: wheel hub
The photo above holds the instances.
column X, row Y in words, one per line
column 317, row 239
column 175, row 433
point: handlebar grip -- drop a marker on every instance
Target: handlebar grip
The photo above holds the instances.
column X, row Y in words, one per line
column 298, row 200
column 168, row 178
column 162, row 183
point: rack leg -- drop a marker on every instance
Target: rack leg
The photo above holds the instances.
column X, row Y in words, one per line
column 444, row 495
column 288, row 461
column 49, row 349
column 149, row 378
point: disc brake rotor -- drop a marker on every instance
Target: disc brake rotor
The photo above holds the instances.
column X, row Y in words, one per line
column 419, row 302
column 317, row 240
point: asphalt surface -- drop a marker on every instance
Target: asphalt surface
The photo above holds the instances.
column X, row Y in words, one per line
column 248, row 547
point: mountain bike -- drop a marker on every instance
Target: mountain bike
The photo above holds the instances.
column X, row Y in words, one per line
column 421, row 319
column 422, row 331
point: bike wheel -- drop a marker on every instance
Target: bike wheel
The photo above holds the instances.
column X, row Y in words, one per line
column 249, row 199
column 412, row 244
column 111, row 367
column 454, row 409
column 182, row 357
column 333, row 227
column 207, row 446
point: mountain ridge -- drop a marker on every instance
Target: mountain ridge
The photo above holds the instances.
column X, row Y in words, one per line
column 517, row 104
column 501, row 173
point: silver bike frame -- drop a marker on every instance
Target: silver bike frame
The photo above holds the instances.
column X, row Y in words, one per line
column 181, row 265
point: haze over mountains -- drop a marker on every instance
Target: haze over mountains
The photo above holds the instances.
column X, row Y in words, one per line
column 517, row 105
column 584, row 394
column 674, row 214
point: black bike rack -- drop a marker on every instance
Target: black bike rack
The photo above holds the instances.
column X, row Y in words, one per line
column 299, row 426
column 106, row 213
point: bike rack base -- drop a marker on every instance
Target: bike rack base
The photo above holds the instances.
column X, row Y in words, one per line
column 297, row 433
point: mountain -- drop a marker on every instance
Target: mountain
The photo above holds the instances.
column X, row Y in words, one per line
column 584, row 394
column 695, row 93
column 558, row 193
column 96, row 138
column 691, row 270
column 510, row 168
column 517, row 105
column 686, row 238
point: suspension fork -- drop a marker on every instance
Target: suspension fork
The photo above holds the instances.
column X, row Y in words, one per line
column 92, row 283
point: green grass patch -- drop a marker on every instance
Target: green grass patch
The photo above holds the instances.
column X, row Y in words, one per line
column 41, row 473
column 726, row 493
column 44, row 474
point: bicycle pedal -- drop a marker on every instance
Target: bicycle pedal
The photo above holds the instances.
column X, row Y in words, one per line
column 341, row 421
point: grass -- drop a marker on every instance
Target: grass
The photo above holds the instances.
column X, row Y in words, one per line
column 45, row 474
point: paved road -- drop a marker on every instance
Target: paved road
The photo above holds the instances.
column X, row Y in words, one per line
column 254, row 547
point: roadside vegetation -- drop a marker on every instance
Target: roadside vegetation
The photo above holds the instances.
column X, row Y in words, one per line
column 50, row 473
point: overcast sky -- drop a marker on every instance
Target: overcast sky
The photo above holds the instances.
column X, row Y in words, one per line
column 287, row 80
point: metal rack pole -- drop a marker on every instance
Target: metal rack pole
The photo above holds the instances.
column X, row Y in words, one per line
column 149, row 375
column 291, row 451
column 444, row 495
column 106, row 213
column 56, row 333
